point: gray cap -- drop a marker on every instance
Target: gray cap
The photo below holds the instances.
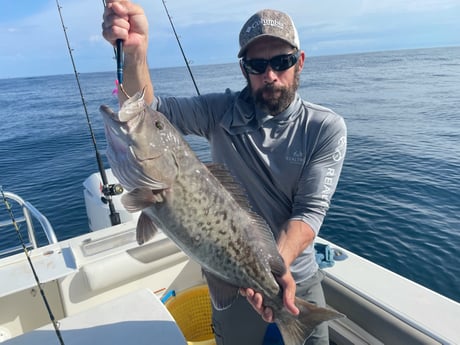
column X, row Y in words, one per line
column 268, row 23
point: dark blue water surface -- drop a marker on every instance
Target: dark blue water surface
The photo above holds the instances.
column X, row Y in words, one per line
column 398, row 200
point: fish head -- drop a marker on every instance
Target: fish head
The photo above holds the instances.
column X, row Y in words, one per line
column 141, row 145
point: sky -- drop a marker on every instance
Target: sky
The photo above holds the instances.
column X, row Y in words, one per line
column 32, row 41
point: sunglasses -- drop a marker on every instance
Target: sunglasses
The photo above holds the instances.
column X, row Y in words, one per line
column 277, row 63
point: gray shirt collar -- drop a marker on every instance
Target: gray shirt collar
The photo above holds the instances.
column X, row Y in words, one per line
column 244, row 117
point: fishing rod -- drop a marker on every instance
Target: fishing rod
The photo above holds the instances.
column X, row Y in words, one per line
column 120, row 57
column 37, row 280
column 108, row 190
column 180, row 46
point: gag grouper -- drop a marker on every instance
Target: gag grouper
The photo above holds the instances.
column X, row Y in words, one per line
column 203, row 210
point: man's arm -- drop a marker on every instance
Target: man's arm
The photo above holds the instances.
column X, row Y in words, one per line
column 127, row 21
column 297, row 234
column 295, row 238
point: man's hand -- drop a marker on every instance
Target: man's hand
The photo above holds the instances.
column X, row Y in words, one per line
column 126, row 21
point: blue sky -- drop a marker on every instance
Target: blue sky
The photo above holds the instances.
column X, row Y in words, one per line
column 32, row 41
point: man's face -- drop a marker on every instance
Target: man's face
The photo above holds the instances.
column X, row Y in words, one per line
column 272, row 90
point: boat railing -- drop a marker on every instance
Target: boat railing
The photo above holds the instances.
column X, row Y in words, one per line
column 29, row 213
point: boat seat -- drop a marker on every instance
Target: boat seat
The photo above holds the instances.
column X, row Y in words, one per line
column 137, row 318
column 113, row 270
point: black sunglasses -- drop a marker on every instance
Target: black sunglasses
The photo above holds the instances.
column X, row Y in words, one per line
column 278, row 63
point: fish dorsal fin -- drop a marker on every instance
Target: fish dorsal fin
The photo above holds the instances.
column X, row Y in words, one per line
column 222, row 294
column 224, row 176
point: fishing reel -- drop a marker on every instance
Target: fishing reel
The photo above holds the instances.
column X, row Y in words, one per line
column 110, row 190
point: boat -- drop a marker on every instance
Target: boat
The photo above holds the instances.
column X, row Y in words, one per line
column 103, row 288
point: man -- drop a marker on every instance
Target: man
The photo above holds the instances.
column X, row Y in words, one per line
column 286, row 153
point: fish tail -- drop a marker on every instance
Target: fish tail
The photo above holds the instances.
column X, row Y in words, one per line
column 296, row 329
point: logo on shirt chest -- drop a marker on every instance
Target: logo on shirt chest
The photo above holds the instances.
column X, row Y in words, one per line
column 295, row 157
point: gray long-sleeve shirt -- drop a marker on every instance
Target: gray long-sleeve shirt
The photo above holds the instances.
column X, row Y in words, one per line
column 289, row 164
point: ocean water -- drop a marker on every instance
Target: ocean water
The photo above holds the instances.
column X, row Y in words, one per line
column 398, row 200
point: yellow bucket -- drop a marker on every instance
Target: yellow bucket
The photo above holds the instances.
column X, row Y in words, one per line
column 191, row 309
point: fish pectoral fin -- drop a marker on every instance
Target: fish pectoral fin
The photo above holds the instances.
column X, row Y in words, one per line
column 146, row 229
column 222, row 293
column 140, row 198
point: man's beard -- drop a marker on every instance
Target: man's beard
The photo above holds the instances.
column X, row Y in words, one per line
column 276, row 98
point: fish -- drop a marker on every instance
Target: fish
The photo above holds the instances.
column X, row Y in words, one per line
column 203, row 210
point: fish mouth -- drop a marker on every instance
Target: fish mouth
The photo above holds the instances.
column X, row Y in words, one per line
column 126, row 124
column 115, row 133
column 130, row 110
column 118, row 131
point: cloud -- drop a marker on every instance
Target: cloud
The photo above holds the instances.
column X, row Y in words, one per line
column 209, row 30
column 96, row 38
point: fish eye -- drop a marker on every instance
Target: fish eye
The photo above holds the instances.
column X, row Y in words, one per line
column 159, row 125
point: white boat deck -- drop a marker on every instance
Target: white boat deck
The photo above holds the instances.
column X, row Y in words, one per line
column 50, row 263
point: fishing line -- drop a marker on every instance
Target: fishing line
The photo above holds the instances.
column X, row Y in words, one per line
column 180, row 46
column 107, row 190
column 37, row 281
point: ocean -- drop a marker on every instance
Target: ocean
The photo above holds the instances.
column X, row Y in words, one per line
column 398, row 200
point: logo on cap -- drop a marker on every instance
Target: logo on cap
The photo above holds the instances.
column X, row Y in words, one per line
column 265, row 22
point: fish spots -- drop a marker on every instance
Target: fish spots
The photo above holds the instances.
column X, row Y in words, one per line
column 238, row 247
column 223, row 214
column 220, row 216
column 233, row 228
